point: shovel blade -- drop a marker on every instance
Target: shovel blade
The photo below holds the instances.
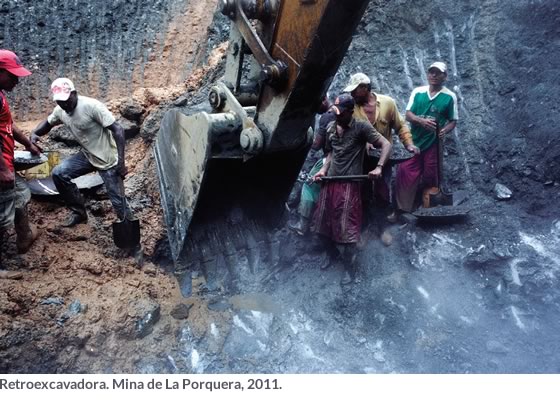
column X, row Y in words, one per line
column 126, row 233
column 442, row 214
column 441, row 199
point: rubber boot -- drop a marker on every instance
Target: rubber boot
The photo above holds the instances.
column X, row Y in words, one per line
column 2, row 235
column 8, row 275
column 74, row 218
column 330, row 254
column 75, row 201
column 349, row 255
column 326, row 260
column 301, row 227
column 4, row 274
column 26, row 233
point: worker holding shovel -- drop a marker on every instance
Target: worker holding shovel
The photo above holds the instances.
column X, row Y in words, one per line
column 102, row 141
column 381, row 111
column 431, row 109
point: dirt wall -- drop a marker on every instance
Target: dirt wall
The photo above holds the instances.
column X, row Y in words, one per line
column 109, row 49
column 502, row 58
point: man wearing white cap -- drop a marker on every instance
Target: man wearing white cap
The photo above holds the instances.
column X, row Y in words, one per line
column 338, row 215
column 14, row 193
column 382, row 112
column 430, row 107
column 102, row 141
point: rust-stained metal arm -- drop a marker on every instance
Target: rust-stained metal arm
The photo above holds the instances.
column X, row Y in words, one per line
column 263, row 10
column 273, row 71
column 251, row 137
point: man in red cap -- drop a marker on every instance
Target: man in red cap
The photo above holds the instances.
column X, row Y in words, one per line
column 338, row 215
column 14, row 193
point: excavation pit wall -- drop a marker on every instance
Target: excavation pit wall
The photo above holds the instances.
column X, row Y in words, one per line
column 480, row 296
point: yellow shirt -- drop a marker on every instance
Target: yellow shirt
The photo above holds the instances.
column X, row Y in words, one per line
column 387, row 118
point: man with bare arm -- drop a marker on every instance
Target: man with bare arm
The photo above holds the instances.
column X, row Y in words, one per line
column 102, row 141
column 14, row 193
column 338, row 215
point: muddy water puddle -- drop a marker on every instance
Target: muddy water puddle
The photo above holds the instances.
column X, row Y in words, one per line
column 256, row 302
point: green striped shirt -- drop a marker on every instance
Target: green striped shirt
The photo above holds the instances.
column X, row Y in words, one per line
column 442, row 106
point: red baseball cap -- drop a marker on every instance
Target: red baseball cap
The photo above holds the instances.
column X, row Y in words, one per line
column 11, row 63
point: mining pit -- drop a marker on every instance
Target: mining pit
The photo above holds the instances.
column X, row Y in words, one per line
column 477, row 296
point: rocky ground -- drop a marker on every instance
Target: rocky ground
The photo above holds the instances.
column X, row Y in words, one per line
column 477, row 296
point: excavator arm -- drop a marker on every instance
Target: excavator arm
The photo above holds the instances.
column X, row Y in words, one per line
column 239, row 161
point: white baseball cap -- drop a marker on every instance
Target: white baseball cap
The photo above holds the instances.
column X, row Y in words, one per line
column 62, row 88
column 439, row 65
column 356, row 80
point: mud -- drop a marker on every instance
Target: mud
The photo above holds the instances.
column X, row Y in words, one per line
column 479, row 296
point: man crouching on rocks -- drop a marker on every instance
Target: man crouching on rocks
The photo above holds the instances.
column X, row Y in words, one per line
column 102, row 141
column 338, row 214
column 14, row 193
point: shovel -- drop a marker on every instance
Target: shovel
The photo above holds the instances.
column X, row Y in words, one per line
column 126, row 232
column 347, row 178
column 441, row 198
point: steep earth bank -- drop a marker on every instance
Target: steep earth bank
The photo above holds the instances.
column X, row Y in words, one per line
column 109, row 49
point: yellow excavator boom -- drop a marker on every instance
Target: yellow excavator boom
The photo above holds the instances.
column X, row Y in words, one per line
column 239, row 160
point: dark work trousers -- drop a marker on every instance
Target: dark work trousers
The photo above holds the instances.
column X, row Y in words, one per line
column 382, row 187
column 382, row 193
column 78, row 165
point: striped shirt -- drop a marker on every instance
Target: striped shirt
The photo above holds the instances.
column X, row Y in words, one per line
column 442, row 106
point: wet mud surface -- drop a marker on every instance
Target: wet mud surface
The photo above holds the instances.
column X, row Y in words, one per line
column 478, row 296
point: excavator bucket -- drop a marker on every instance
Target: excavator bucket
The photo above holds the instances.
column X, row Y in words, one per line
column 215, row 189
column 182, row 152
